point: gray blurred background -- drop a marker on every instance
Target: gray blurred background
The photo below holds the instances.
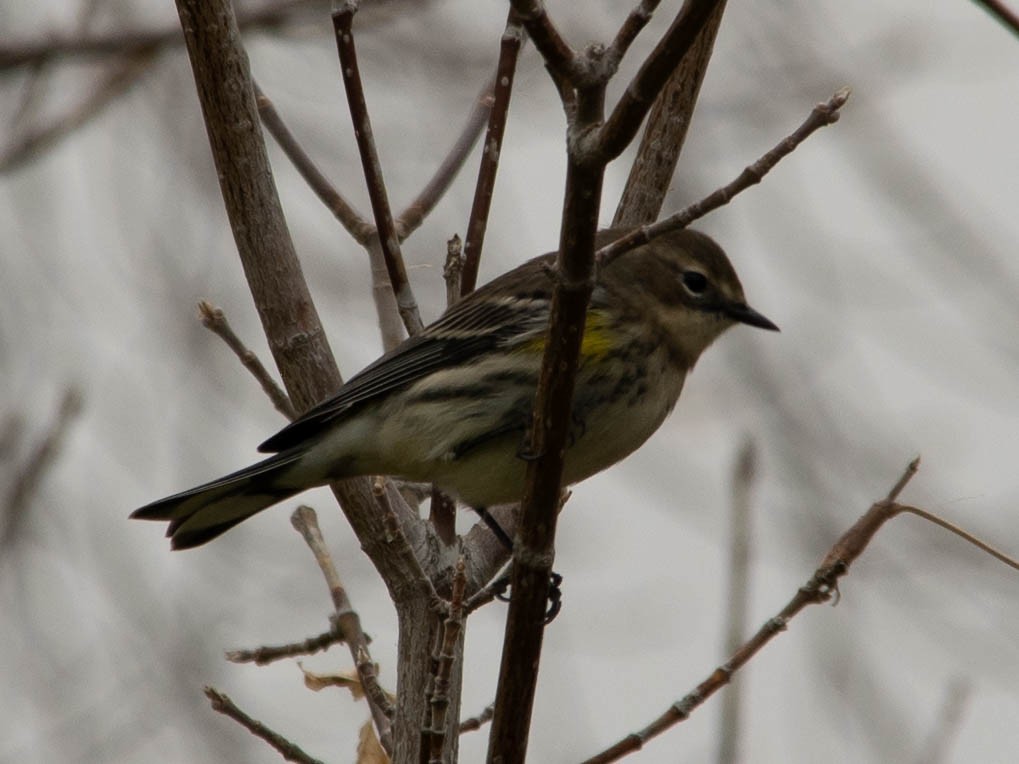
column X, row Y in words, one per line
column 885, row 248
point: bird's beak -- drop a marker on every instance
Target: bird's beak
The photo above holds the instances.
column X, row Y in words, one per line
column 747, row 315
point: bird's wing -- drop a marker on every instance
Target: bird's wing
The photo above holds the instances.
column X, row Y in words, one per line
column 481, row 322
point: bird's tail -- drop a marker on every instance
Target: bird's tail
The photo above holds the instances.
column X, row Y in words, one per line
column 202, row 513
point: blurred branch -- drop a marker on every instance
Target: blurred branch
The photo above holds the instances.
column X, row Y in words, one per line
column 512, row 39
column 738, row 597
column 821, row 587
column 133, row 41
column 947, row 724
column 214, row 319
column 116, row 81
column 665, row 132
column 406, row 304
column 28, row 479
column 290, row 752
column 1002, row 13
column 822, row 115
column 346, row 621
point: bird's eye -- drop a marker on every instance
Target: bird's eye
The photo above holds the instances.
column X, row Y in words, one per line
column 696, row 283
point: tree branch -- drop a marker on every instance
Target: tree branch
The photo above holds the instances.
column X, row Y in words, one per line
column 406, row 304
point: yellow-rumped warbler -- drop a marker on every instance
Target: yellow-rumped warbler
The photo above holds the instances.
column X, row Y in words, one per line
column 451, row 406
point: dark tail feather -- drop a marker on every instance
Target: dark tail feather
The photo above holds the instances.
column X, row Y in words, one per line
column 201, row 514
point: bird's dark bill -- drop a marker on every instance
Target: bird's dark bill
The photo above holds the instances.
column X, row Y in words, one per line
column 747, row 315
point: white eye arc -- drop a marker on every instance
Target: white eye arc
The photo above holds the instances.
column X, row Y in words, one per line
column 695, row 282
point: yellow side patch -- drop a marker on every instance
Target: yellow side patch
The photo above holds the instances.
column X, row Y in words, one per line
column 596, row 344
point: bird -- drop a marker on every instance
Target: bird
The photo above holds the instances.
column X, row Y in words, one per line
column 452, row 405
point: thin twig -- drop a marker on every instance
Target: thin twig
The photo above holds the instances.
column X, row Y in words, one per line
column 622, row 124
column 821, row 587
column 214, row 319
column 821, row 115
column 289, row 751
column 635, row 22
column 559, row 57
column 665, row 131
column 262, row 656
column 411, row 217
column 406, row 304
column 346, row 620
column 512, row 39
column 452, row 270
column 353, row 221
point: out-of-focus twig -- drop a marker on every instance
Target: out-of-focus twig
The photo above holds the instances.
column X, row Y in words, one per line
column 30, row 476
column 738, row 597
column 118, row 79
column 129, row 42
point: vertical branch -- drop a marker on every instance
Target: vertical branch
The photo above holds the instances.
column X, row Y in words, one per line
column 388, row 239
column 665, row 132
column 738, row 598
column 534, row 548
column 512, row 39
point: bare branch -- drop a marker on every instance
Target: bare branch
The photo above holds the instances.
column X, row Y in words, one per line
column 415, row 212
column 289, row 751
column 624, row 121
column 346, row 621
column 821, row 115
column 389, row 240
column 821, row 587
column 352, row 220
column 262, row 656
column 512, row 39
column 559, row 57
column 665, row 132
column 635, row 22
column 214, row 319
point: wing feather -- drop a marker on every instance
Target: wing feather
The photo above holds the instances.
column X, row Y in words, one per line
column 480, row 323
